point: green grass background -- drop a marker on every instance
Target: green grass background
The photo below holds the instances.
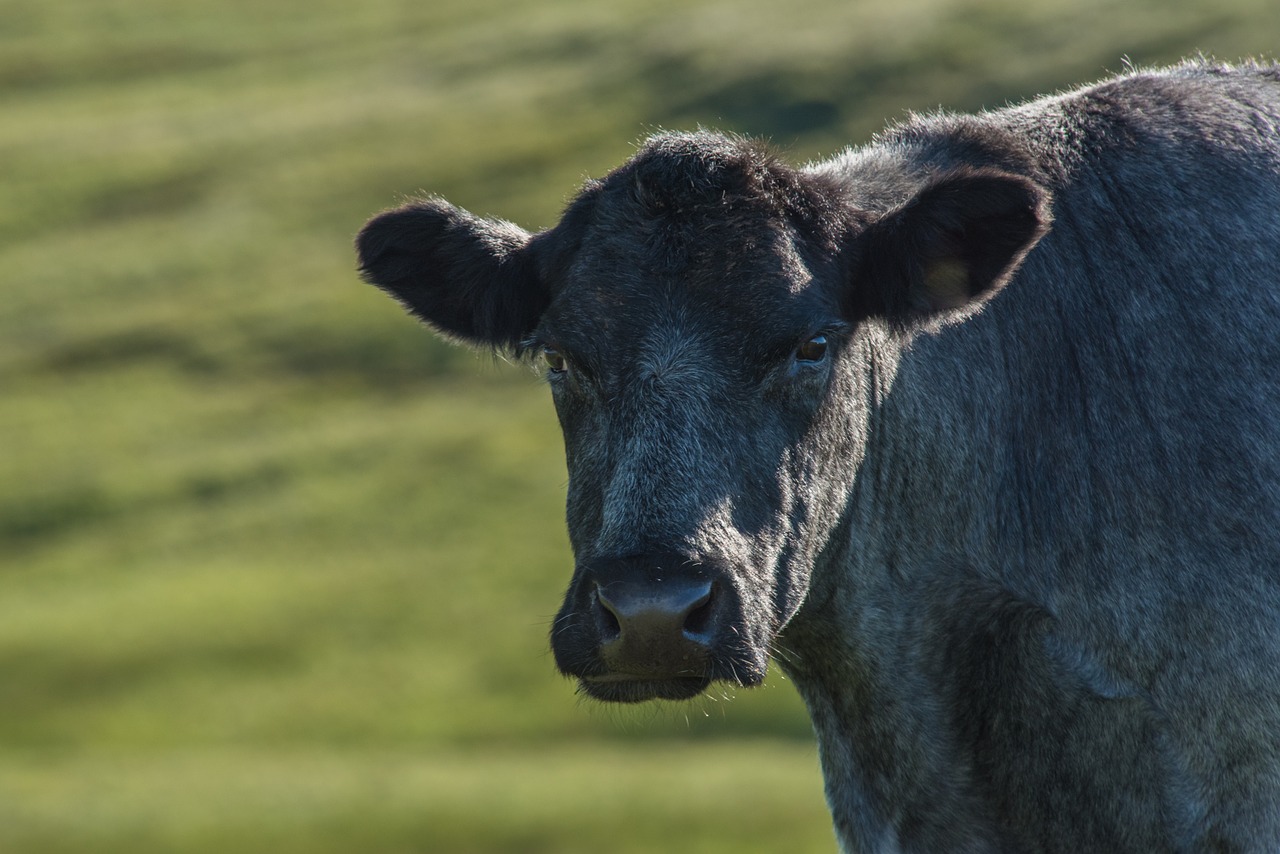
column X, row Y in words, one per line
column 276, row 567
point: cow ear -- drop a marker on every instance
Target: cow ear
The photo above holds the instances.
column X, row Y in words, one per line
column 468, row 277
column 950, row 247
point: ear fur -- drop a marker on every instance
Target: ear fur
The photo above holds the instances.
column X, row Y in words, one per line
column 950, row 247
column 468, row 277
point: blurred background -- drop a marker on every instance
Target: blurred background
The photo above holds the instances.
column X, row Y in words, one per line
column 276, row 566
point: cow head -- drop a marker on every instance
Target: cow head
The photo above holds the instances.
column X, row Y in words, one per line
column 707, row 319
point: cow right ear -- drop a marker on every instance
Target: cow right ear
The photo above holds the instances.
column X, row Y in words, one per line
column 950, row 247
column 470, row 278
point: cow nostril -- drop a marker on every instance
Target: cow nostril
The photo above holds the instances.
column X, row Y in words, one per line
column 699, row 617
column 606, row 619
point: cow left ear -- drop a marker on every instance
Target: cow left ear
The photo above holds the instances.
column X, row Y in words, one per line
column 471, row 278
column 950, row 247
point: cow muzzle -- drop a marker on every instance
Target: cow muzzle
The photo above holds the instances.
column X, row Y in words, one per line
column 660, row 626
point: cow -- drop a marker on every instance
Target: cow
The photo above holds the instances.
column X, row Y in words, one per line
column 974, row 430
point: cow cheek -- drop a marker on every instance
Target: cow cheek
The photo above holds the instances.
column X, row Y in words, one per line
column 586, row 462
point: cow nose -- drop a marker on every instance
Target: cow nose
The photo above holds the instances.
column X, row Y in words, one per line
column 656, row 628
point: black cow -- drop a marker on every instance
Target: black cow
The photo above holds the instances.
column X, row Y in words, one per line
column 975, row 429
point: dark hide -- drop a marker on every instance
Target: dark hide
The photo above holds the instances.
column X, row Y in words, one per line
column 975, row 429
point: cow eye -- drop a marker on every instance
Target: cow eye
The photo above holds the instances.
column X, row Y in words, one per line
column 813, row 350
column 555, row 362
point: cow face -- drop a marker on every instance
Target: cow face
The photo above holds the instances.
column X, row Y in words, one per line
column 705, row 318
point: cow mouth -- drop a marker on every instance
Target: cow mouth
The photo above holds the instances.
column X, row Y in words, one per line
column 626, row 688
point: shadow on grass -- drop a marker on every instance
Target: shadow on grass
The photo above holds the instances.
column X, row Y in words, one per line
column 400, row 357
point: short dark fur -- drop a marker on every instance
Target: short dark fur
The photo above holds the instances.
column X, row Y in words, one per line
column 977, row 428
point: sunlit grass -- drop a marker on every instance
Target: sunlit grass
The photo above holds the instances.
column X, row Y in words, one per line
column 748, row 796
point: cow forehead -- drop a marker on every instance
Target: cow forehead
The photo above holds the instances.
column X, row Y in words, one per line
column 698, row 239
column 712, row 261
column 662, row 304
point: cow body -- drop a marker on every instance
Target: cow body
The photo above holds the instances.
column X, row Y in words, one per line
column 976, row 430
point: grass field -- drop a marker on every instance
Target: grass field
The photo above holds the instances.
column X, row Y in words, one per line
column 276, row 567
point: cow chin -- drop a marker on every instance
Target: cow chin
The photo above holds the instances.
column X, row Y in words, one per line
column 623, row 689
column 741, row 667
